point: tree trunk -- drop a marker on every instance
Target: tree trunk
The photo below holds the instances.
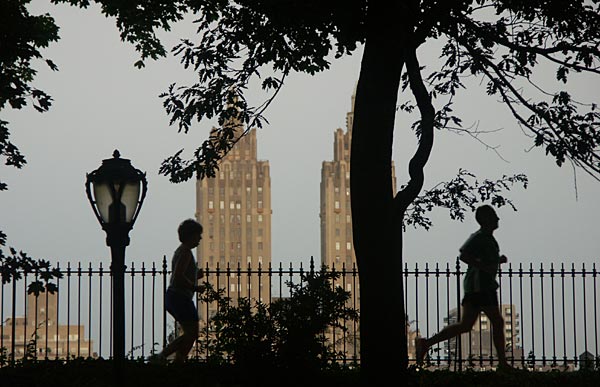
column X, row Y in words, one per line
column 377, row 213
column 377, row 243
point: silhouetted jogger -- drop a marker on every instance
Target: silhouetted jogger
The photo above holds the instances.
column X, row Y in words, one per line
column 182, row 287
column 482, row 255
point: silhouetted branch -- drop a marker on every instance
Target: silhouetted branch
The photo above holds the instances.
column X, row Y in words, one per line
column 459, row 194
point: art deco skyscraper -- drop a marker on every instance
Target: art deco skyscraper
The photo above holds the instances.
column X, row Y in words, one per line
column 337, row 247
column 235, row 210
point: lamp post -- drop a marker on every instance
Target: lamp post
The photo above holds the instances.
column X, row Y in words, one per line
column 116, row 191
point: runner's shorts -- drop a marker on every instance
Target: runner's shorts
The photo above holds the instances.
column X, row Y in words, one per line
column 481, row 299
column 180, row 307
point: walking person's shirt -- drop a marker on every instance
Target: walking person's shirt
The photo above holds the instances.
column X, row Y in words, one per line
column 190, row 273
column 484, row 247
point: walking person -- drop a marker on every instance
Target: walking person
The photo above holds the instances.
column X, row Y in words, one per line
column 482, row 255
column 182, row 287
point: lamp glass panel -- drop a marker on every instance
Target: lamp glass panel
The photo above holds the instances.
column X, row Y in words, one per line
column 103, row 199
column 130, row 197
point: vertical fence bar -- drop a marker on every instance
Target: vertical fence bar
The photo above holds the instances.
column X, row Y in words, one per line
column 25, row 307
column 553, row 315
column 46, row 349
column 513, row 335
column 68, row 310
column 542, row 320
column 427, row 298
column 437, row 308
column 143, row 307
column 90, row 310
column 416, row 275
column 164, row 314
column 458, row 314
column 132, row 271
column 101, row 273
column 522, row 315
column 594, row 273
column 585, row 334
column 532, row 314
column 57, row 312
column 78, row 309
column 13, row 336
column 153, row 287
column 575, row 359
column 448, row 342
column 564, row 325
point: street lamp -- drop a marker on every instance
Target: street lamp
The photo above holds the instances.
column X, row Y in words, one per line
column 116, row 192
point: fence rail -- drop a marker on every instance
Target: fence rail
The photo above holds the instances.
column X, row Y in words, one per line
column 553, row 316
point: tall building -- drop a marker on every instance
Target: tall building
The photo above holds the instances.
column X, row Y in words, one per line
column 40, row 334
column 337, row 247
column 235, row 210
column 477, row 345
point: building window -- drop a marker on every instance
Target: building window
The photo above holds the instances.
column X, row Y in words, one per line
column 259, row 189
column 348, row 246
column 238, row 205
column 248, row 218
column 260, row 245
column 337, row 246
column 232, row 205
column 337, row 205
column 337, row 232
column 260, row 218
column 222, row 205
column 348, row 219
column 260, row 205
column 260, row 260
column 260, row 232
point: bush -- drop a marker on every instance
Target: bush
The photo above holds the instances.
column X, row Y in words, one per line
column 287, row 333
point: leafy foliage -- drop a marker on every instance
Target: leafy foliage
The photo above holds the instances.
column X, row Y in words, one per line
column 16, row 264
column 287, row 333
column 459, row 194
column 22, row 36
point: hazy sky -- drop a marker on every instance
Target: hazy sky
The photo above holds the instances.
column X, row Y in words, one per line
column 102, row 103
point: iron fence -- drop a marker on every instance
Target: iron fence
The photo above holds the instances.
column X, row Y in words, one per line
column 551, row 314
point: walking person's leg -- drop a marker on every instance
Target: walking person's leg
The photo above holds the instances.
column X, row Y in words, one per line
column 189, row 337
column 468, row 317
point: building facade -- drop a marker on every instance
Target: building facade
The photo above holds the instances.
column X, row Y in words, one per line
column 337, row 246
column 38, row 333
column 234, row 208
